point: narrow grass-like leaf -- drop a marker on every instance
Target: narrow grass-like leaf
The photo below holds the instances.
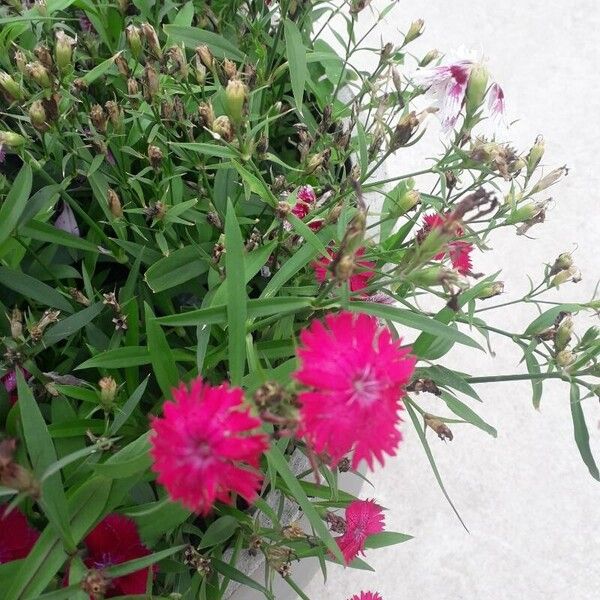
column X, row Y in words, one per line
column 180, row 266
column 131, row 566
column 386, row 538
column 465, row 412
column 123, row 413
column 296, row 54
column 194, row 36
column 582, row 436
column 32, row 289
column 44, row 232
column 219, row 531
column 67, row 327
column 163, row 363
column 15, row 202
column 234, row 574
column 236, row 296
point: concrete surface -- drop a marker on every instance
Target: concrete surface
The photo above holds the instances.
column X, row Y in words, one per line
column 532, row 509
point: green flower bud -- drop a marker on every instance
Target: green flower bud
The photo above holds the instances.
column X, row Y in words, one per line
column 476, row 88
column 563, row 334
column 21, row 62
column 430, row 57
column 11, row 87
column 108, row 391
column 406, row 202
column 525, row 213
column 222, row 127
column 564, row 261
column 535, row 154
column 199, row 71
column 571, row 274
column 490, row 290
column 428, row 277
column 134, row 40
column 151, row 83
column 37, row 115
column 564, row 358
column 39, row 74
column 63, row 52
column 235, row 98
column 11, row 139
column 414, row 31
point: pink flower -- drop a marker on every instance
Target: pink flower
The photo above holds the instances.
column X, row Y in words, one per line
column 17, row 537
column 366, row 596
column 305, row 198
column 363, row 519
column 113, row 541
column 458, row 251
column 9, row 381
column 202, row 447
column 358, row 281
column 355, row 373
column 497, row 110
column 448, row 84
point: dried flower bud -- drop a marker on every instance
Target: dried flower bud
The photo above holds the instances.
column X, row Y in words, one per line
column 207, row 114
column 21, row 62
column 108, row 391
column 550, row 179
column 336, row 523
column 268, row 395
column 114, row 203
column 223, row 127
column 95, row 584
column 430, row 57
column 37, row 115
column 279, row 185
column 199, row 71
column 476, row 88
column 134, row 40
column 79, row 297
column 13, row 89
column 42, row 53
column 525, row 213
column 79, row 86
column 11, row 139
column 98, row 118
column 490, row 290
column 63, row 51
column 12, row 474
column 386, row 52
column 48, row 318
column 229, row 69
column 424, row 385
column 358, row 5
column 205, row 56
column 262, row 145
column 564, row 261
column 38, row 72
column 16, row 324
column 151, row 38
column 250, row 75
column 132, row 87
column 565, row 358
column 122, row 65
column 318, row 161
column 115, row 114
column 535, row 154
column 235, row 99
column 151, row 83
column 344, row 465
column 180, row 66
column 414, row 31
column 571, row 274
column 155, row 157
column 397, row 81
column 293, row 531
column 442, row 430
column 404, row 130
column 155, row 211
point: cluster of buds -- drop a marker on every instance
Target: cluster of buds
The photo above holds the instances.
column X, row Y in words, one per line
column 560, row 334
column 564, row 270
column 279, row 558
column 202, row 564
column 293, row 531
column 119, row 319
column 435, row 423
column 499, row 157
column 278, row 407
column 36, row 330
column 12, row 474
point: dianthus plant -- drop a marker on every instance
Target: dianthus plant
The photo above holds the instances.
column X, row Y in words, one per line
column 217, row 313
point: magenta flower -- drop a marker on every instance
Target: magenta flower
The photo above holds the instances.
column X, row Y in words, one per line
column 113, row 541
column 358, row 281
column 497, row 109
column 202, row 448
column 363, row 519
column 366, row 596
column 9, row 381
column 17, row 537
column 305, row 200
column 355, row 373
column 458, row 251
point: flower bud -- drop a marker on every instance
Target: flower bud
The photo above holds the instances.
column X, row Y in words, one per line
column 414, row 31
column 525, row 213
column 235, row 98
column 406, row 202
column 114, row 203
column 37, row 115
column 476, row 88
column 38, row 72
column 428, row 277
column 134, row 40
column 430, row 57
column 122, row 65
column 63, row 51
column 179, row 62
column 490, row 290
column 151, row 83
column 108, row 391
column 16, row 324
column 123, row 6
column 549, row 180
column 79, row 86
column 283, row 209
column 21, row 62
column 199, row 71
column 223, row 128
column 571, row 274
column 115, row 114
column 11, row 139
column 43, row 54
column 317, row 161
column 205, row 56
column 149, row 34
column 11, row 87
column 563, row 334
column 404, row 130
column 207, row 114
column 155, row 156
column 98, row 118
column 229, row 69
column 564, row 358
column 442, row 430
column 535, row 154
column 95, row 584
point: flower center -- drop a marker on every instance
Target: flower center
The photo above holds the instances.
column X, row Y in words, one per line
column 365, row 388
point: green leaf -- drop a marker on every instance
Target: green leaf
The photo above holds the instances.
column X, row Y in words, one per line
column 303, row 230
column 236, row 296
column 163, row 363
column 465, row 412
column 44, row 232
column 133, row 459
column 296, row 54
column 275, row 456
column 101, row 69
column 414, row 320
column 67, row 327
column 219, row 531
column 123, row 413
column 386, row 538
column 119, row 358
column 256, row 185
column 43, row 455
column 137, row 564
column 449, row 378
column 180, row 266
column 214, row 150
column 15, row 202
column 582, row 436
column 32, row 289
column 193, row 36
column 547, row 318
column 234, row 574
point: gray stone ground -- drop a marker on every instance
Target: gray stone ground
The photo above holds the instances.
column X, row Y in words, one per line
column 532, row 509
